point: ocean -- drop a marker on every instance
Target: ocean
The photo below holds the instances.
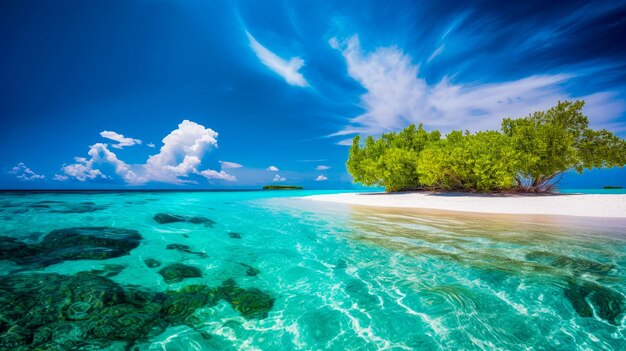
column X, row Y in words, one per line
column 267, row 270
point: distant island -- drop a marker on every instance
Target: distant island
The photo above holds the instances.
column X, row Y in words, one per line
column 613, row 187
column 528, row 154
column 282, row 187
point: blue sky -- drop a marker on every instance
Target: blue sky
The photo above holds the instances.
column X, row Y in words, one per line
column 212, row 94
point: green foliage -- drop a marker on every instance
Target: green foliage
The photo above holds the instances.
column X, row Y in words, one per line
column 391, row 160
column 528, row 155
column 484, row 161
column 554, row 141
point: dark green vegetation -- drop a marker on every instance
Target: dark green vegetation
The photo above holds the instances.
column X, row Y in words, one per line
column 528, row 154
column 90, row 312
column 165, row 218
column 176, row 272
column 282, row 187
column 152, row 263
column 86, row 243
column 613, row 187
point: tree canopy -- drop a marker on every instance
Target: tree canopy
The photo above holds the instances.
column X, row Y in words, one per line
column 528, row 154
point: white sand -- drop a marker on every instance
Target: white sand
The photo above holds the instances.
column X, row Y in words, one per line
column 609, row 205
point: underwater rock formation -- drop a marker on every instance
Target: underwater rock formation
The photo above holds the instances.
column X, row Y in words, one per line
column 234, row 235
column 186, row 249
column 587, row 297
column 176, row 272
column 251, row 303
column 250, row 271
column 165, row 218
column 81, row 243
column 151, row 262
column 49, row 311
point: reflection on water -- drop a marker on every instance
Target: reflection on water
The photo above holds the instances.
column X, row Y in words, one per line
column 220, row 271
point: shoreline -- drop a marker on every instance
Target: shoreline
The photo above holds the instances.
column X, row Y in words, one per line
column 578, row 205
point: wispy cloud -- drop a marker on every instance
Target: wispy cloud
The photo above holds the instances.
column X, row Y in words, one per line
column 23, row 173
column 122, row 141
column 272, row 169
column 321, row 178
column 397, row 95
column 289, row 70
column 230, row 165
column 322, row 168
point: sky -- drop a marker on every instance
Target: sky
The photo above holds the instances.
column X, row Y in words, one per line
column 139, row 94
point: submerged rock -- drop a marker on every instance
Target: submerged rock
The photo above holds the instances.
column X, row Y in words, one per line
column 587, row 297
column 48, row 311
column 250, row 271
column 165, row 218
column 176, row 272
column 93, row 243
column 234, row 235
column 151, row 262
column 251, row 302
column 186, row 249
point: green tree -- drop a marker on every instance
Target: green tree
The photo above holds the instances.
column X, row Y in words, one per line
column 391, row 160
column 485, row 161
column 529, row 154
column 553, row 141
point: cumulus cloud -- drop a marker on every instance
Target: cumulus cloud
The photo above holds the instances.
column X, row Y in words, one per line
column 181, row 153
column 150, row 145
column 321, row 178
column 396, row 95
column 23, row 173
column 272, row 169
column 230, row 165
column 178, row 158
column 322, row 168
column 121, row 140
column 289, row 70
column 88, row 168
column 278, row 179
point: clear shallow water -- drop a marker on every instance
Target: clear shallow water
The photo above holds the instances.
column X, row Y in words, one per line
column 312, row 275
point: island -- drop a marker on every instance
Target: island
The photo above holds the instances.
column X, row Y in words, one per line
column 613, row 187
column 282, row 187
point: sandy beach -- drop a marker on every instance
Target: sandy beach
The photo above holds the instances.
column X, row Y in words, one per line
column 582, row 205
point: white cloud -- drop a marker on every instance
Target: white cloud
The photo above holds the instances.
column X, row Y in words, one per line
column 272, row 169
column 99, row 154
column 181, row 153
column 396, row 96
column 322, row 168
column 289, row 70
column 278, row 178
column 60, row 178
column 230, row 165
column 24, row 173
column 122, row 141
column 150, row 145
column 211, row 174
column 178, row 158
column 321, row 178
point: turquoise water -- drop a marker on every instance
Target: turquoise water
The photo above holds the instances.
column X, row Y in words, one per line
column 266, row 271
